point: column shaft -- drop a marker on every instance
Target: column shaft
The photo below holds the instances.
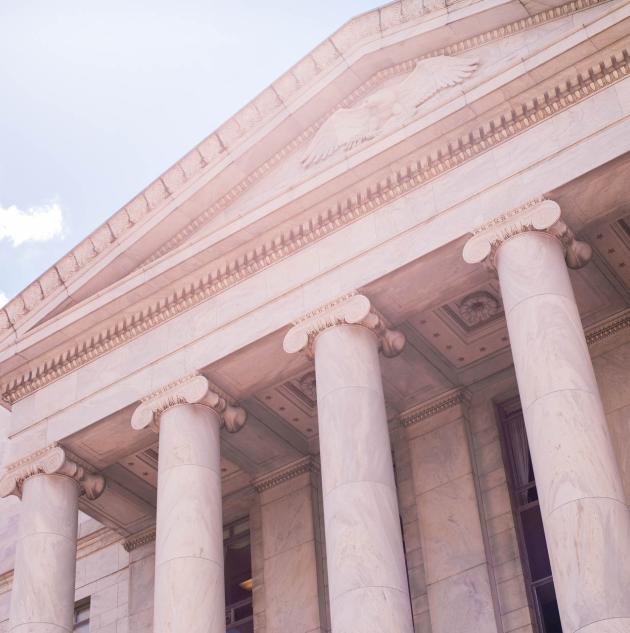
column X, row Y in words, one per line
column 366, row 566
column 42, row 598
column 189, row 583
column 586, row 520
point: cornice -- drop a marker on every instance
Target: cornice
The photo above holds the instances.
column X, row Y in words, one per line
column 371, row 197
column 52, row 459
column 609, row 328
column 241, row 127
column 139, row 539
column 279, row 476
column 427, row 410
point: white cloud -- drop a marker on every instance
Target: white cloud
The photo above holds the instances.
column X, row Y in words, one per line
column 3, row 299
column 36, row 224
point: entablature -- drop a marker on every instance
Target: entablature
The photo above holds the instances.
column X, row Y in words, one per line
column 456, row 30
column 222, row 259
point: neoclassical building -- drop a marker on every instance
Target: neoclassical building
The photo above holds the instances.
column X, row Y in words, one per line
column 358, row 363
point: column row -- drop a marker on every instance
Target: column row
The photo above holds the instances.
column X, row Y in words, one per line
column 49, row 482
column 585, row 516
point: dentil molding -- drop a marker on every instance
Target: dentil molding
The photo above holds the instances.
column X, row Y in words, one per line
column 538, row 214
column 419, row 171
column 350, row 309
column 52, row 460
column 242, row 126
column 192, row 389
column 294, row 469
column 427, row 410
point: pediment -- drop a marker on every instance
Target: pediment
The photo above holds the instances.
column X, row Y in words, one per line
column 266, row 157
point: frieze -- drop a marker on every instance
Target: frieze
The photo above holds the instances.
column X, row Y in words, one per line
column 364, row 202
column 241, row 126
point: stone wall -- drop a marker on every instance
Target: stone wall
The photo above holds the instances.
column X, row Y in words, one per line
column 612, row 370
column 411, row 531
column 504, row 560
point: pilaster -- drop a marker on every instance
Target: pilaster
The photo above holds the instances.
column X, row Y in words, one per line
column 449, row 515
column 288, row 548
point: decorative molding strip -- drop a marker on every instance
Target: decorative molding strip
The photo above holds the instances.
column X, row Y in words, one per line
column 426, row 410
column 364, row 202
column 357, row 95
column 139, row 539
column 50, row 460
column 352, row 308
column 243, row 125
column 279, row 476
column 535, row 215
column 192, row 389
column 602, row 332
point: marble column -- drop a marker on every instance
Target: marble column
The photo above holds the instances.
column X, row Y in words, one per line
column 49, row 483
column 586, row 520
column 189, row 586
column 366, row 567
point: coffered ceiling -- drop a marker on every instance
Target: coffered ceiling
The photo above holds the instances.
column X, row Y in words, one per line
column 452, row 316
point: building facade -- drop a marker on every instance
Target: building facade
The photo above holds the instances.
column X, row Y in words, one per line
column 358, row 362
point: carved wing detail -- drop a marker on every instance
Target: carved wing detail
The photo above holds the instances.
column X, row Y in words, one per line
column 345, row 128
column 434, row 74
column 387, row 107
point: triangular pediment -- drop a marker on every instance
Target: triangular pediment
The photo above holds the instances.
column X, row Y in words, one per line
column 381, row 86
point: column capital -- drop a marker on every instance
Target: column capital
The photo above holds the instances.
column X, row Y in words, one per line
column 538, row 214
column 192, row 389
column 51, row 460
column 350, row 309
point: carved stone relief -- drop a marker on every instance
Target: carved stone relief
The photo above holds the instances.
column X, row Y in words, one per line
column 387, row 108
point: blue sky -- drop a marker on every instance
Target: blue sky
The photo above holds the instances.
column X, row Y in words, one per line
column 98, row 98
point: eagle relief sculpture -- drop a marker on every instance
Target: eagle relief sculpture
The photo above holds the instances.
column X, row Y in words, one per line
column 388, row 107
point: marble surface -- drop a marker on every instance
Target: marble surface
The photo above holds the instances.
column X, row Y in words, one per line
column 189, row 584
column 290, row 562
column 42, row 599
column 453, row 548
column 463, row 603
column 586, row 520
column 421, row 232
column 366, row 569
